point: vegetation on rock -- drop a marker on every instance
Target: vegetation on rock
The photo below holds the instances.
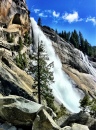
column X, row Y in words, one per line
column 21, row 61
column 88, row 105
column 27, row 39
column 20, row 44
column 62, row 111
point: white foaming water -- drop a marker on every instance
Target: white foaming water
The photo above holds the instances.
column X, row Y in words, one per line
column 88, row 65
column 63, row 90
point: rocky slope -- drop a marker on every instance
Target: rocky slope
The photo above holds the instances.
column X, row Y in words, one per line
column 14, row 80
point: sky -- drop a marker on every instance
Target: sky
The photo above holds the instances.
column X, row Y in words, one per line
column 67, row 15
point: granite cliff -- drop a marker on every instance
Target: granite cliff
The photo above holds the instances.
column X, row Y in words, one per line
column 14, row 16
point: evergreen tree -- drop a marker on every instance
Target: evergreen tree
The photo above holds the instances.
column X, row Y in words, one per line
column 21, row 61
column 27, row 39
column 81, row 42
column 62, row 111
column 39, row 22
column 68, row 37
column 20, row 44
column 86, row 50
column 43, row 76
column 84, row 103
column 93, row 108
column 74, row 39
column 88, row 105
column 56, row 31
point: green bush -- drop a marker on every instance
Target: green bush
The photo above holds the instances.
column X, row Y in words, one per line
column 88, row 105
column 27, row 39
column 20, row 44
column 21, row 61
column 62, row 111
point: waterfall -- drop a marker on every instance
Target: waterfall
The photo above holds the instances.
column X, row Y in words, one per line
column 63, row 89
column 90, row 68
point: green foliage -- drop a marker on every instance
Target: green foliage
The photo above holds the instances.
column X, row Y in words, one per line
column 39, row 22
column 62, row 111
column 65, row 35
column 93, row 108
column 21, row 61
column 20, row 44
column 86, row 104
column 79, row 42
column 27, row 39
column 43, row 77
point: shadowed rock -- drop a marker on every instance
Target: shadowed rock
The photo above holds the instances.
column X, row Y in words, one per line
column 18, row 111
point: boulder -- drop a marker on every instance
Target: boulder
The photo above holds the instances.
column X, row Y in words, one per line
column 79, row 127
column 18, row 111
column 7, row 126
column 66, row 128
column 76, row 126
column 50, row 112
column 80, row 118
column 44, row 121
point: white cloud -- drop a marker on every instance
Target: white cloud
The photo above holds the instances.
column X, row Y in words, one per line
column 71, row 17
column 48, row 11
column 56, row 14
column 42, row 15
column 90, row 19
column 36, row 10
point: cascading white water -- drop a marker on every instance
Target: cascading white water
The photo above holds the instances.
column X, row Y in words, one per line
column 88, row 65
column 63, row 89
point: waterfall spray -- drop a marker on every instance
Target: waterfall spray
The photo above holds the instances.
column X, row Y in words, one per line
column 63, row 89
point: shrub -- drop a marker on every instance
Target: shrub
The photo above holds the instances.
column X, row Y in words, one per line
column 20, row 44
column 21, row 61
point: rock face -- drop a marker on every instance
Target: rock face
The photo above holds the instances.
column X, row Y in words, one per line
column 18, row 110
column 7, row 126
column 13, row 80
column 14, row 15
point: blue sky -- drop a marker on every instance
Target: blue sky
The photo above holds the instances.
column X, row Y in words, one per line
column 67, row 15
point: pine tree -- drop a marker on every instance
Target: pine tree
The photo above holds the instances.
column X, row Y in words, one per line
column 43, row 76
column 81, row 42
column 74, row 39
column 93, row 108
column 20, row 44
column 84, row 103
column 88, row 105
column 39, row 22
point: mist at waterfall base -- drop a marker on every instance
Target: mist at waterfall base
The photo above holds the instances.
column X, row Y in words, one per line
column 63, row 89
